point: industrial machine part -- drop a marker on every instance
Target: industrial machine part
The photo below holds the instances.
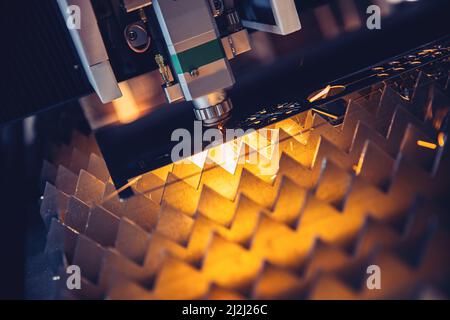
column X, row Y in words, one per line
column 277, row 16
column 197, row 56
column 199, row 50
column 89, row 44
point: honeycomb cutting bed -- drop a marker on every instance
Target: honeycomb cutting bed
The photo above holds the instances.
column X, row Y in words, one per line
column 372, row 190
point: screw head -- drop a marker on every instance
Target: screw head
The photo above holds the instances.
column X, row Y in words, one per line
column 194, row 73
column 132, row 35
column 218, row 5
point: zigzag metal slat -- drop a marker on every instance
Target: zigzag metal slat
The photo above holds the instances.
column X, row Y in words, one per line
column 344, row 197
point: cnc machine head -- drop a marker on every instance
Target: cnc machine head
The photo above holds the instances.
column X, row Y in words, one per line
column 190, row 42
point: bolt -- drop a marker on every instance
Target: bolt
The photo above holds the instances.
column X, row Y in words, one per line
column 194, row 73
column 218, row 5
column 132, row 35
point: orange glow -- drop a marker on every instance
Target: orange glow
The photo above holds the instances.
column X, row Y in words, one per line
column 293, row 128
column 226, row 155
column 439, row 117
column 328, row 91
column 126, row 107
column 321, row 95
column 330, row 115
column 357, row 168
column 425, row 144
column 256, row 150
column 441, row 139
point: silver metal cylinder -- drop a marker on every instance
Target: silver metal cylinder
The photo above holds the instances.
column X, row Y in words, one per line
column 212, row 109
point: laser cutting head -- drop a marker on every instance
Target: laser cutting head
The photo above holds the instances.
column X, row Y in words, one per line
column 190, row 42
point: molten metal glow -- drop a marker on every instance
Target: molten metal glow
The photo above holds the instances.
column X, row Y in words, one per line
column 126, row 107
column 425, row 144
